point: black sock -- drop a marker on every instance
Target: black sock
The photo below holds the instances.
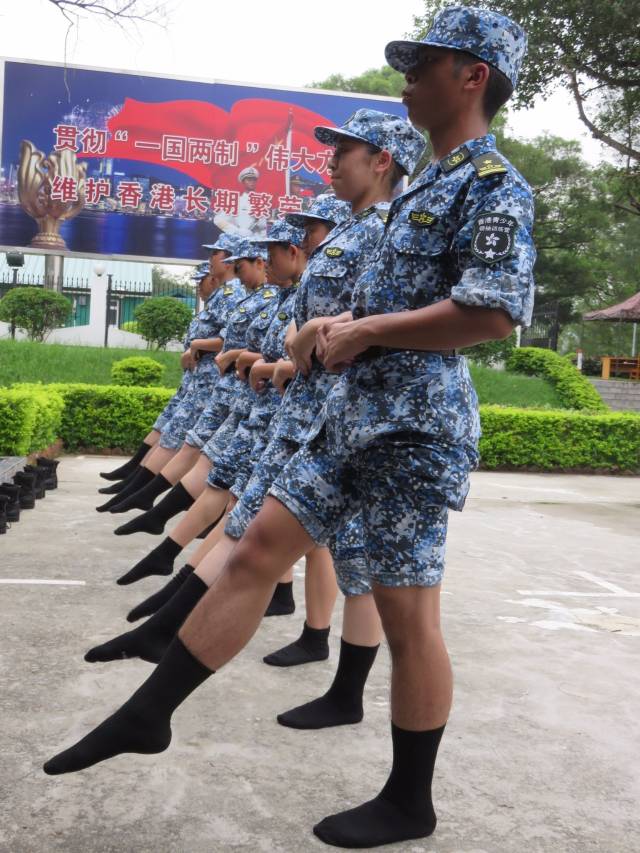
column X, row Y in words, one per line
column 144, row 497
column 311, row 645
column 143, row 723
column 403, row 809
column 341, row 705
column 140, row 478
column 282, row 603
column 150, row 605
column 150, row 640
column 116, row 487
column 126, row 469
column 155, row 519
column 158, row 562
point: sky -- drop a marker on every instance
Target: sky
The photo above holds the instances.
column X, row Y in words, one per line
column 279, row 42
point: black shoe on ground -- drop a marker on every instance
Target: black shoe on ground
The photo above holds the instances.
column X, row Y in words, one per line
column 3, row 514
column 13, row 500
column 49, row 466
column 26, row 481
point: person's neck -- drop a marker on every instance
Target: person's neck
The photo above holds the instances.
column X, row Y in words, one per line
column 229, row 276
column 375, row 195
column 445, row 139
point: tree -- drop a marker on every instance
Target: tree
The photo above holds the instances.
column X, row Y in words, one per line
column 162, row 319
column 590, row 49
column 36, row 311
column 115, row 11
column 376, row 81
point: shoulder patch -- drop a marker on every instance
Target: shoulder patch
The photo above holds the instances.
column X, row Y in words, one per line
column 489, row 164
column 422, row 218
column 453, row 161
column 334, row 252
column 493, row 237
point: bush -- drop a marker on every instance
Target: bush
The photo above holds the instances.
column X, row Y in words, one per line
column 35, row 311
column 137, row 370
column 162, row 319
column 130, row 326
column 573, row 388
column 491, row 352
column 553, row 441
column 30, row 419
column 108, row 416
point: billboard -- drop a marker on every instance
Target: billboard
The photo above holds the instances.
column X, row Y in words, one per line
column 109, row 163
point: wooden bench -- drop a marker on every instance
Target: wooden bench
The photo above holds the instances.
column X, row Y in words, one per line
column 620, row 366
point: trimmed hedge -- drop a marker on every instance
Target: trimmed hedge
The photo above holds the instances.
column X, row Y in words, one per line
column 139, row 370
column 108, row 416
column 574, row 389
column 559, row 440
column 30, row 419
column 104, row 416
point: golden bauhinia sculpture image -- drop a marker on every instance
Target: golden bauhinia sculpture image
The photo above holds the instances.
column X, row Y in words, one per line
column 51, row 190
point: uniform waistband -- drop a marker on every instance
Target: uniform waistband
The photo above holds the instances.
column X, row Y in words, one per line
column 378, row 352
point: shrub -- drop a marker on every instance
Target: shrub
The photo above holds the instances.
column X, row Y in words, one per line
column 30, row 419
column 574, row 389
column 137, row 370
column 491, row 352
column 130, row 326
column 559, row 440
column 108, row 416
column 162, row 319
column 34, row 310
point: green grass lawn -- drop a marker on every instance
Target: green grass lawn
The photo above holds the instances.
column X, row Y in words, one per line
column 21, row 361
column 513, row 389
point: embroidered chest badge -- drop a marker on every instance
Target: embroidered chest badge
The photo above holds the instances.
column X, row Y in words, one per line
column 268, row 294
column 493, row 237
column 334, row 252
column 422, row 218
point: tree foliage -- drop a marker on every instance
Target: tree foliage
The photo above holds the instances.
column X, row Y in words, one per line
column 383, row 81
column 34, row 310
column 592, row 50
column 162, row 319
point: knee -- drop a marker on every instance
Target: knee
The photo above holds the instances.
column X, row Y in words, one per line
column 253, row 556
column 410, row 618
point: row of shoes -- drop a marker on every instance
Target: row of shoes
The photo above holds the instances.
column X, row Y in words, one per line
column 29, row 485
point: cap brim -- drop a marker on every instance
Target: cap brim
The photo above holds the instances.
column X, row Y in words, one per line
column 412, row 49
column 299, row 220
column 332, row 135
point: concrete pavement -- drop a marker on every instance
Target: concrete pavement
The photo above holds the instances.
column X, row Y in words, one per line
column 542, row 617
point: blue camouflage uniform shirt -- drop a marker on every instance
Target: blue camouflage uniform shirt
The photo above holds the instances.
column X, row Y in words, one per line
column 462, row 230
column 326, row 289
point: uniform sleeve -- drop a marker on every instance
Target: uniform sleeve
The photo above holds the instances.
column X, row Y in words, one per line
column 495, row 248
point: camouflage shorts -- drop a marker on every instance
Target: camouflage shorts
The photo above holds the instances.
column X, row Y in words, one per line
column 170, row 409
column 393, row 484
column 230, row 451
column 208, row 423
column 347, row 547
column 188, row 411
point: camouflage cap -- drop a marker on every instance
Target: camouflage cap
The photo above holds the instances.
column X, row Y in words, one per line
column 281, row 232
column 325, row 208
column 490, row 36
column 248, row 249
column 391, row 133
column 224, row 243
column 200, row 271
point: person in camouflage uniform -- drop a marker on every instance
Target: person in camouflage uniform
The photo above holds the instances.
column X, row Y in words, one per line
column 398, row 435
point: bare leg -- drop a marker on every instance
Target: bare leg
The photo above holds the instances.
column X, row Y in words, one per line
column 157, row 458
column 229, row 614
column 421, row 679
column 320, row 588
column 152, row 437
column 211, row 566
column 181, row 463
column 195, row 480
column 206, row 509
column 209, row 542
column 361, row 625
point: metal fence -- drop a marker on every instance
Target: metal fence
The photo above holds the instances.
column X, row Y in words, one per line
column 544, row 328
column 77, row 290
